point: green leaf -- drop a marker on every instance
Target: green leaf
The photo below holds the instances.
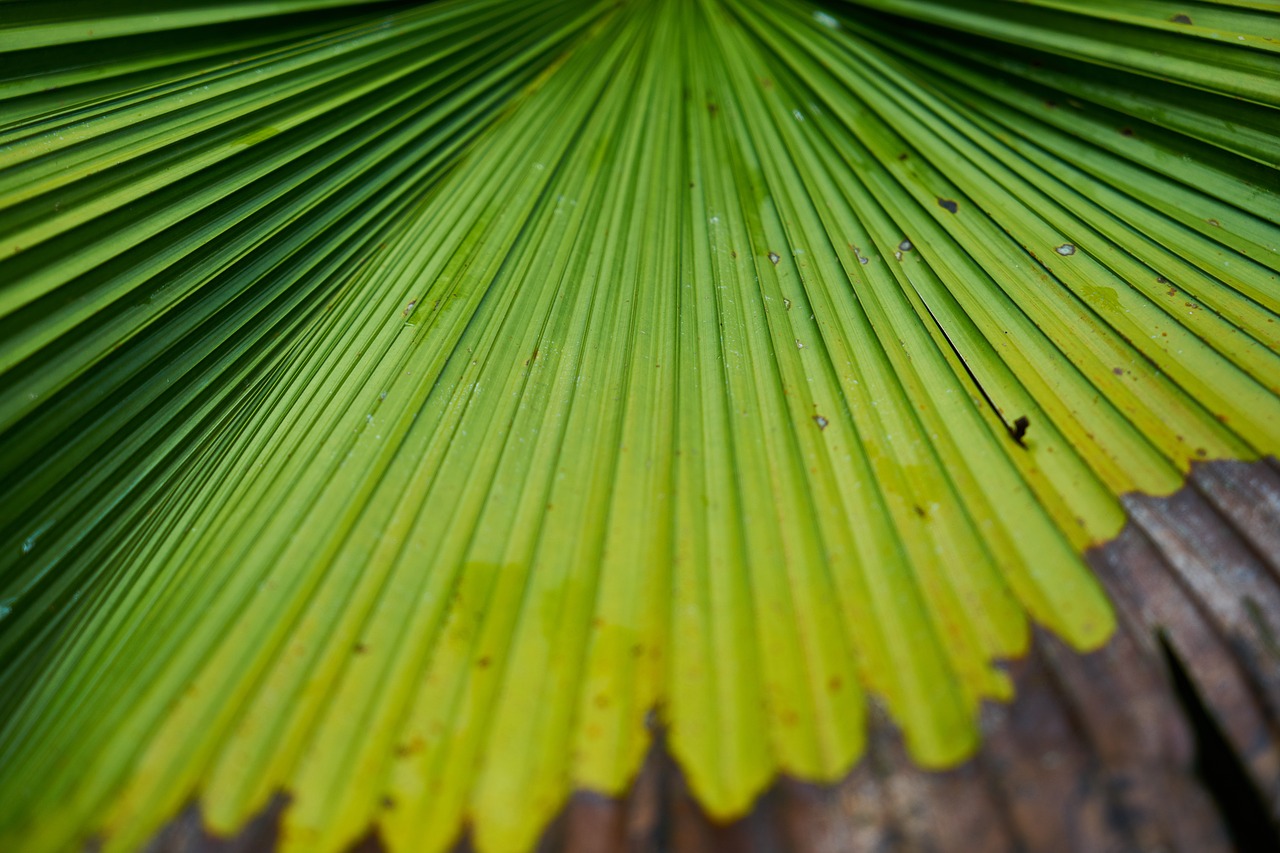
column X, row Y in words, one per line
column 401, row 402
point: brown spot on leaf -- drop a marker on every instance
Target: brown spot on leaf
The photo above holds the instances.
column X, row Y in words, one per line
column 820, row 421
column 1181, row 19
column 948, row 205
column 775, row 258
column 1118, row 371
column 1018, row 431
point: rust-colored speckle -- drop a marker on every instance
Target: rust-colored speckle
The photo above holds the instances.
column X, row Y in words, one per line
column 484, row 662
column 413, row 747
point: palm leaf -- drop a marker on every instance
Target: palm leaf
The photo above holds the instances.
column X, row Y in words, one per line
column 400, row 402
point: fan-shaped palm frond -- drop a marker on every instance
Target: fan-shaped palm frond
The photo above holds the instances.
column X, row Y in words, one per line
column 399, row 402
